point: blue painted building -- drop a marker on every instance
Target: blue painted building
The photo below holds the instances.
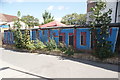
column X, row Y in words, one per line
column 4, row 26
column 78, row 37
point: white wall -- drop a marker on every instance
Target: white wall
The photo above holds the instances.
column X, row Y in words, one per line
column 110, row 4
column 118, row 14
column 12, row 24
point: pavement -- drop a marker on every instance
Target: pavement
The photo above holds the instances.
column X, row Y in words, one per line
column 31, row 65
column 7, row 70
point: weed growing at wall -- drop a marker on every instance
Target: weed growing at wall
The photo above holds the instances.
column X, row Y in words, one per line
column 100, row 35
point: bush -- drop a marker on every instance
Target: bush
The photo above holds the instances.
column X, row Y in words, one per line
column 51, row 45
column 66, row 50
column 39, row 45
column 30, row 46
column 26, row 38
column 69, row 51
column 103, row 52
column 18, row 38
column 62, row 47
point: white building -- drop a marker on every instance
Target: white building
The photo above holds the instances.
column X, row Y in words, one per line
column 110, row 4
column 11, row 24
column 6, row 19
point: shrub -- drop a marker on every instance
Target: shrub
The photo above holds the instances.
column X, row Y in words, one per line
column 30, row 46
column 103, row 52
column 62, row 47
column 18, row 38
column 66, row 50
column 69, row 51
column 39, row 45
column 51, row 45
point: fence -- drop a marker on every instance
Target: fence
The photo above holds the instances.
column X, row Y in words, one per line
column 78, row 37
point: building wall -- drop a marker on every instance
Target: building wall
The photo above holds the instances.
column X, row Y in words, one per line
column 118, row 12
column 11, row 24
column 79, row 38
column 2, row 34
column 110, row 4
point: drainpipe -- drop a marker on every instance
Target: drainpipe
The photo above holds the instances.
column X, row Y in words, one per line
column 116, row 11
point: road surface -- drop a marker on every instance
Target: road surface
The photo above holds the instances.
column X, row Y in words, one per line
column 48, row 66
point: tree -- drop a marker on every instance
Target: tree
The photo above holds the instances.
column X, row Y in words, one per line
column 18, row 38
column 47, row 17
column 74, row 19
column 102, row 47
column 21, row 38
column 30, row 21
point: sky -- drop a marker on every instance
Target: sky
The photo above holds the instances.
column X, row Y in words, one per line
column 35, row 8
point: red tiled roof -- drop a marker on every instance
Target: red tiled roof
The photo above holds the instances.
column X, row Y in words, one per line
column 7, row 18
column 53, row 24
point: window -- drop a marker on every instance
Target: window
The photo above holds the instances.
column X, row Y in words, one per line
column 71, row 42
column 60, row 38
column 82, row 43
column 43, row 32
column 83, row 38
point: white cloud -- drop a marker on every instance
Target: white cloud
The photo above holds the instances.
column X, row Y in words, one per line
column 50, row 8
column 62, row 8
column 58, row 19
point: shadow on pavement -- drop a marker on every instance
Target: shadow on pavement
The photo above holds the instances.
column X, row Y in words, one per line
column 43, row 78
column 4, row 68
column 17, row 50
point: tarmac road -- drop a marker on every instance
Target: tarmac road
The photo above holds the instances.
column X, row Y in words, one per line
column 48, row 66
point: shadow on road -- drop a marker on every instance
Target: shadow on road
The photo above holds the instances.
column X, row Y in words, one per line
column 4, row 68
column 43, row 78
column 17, row 50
